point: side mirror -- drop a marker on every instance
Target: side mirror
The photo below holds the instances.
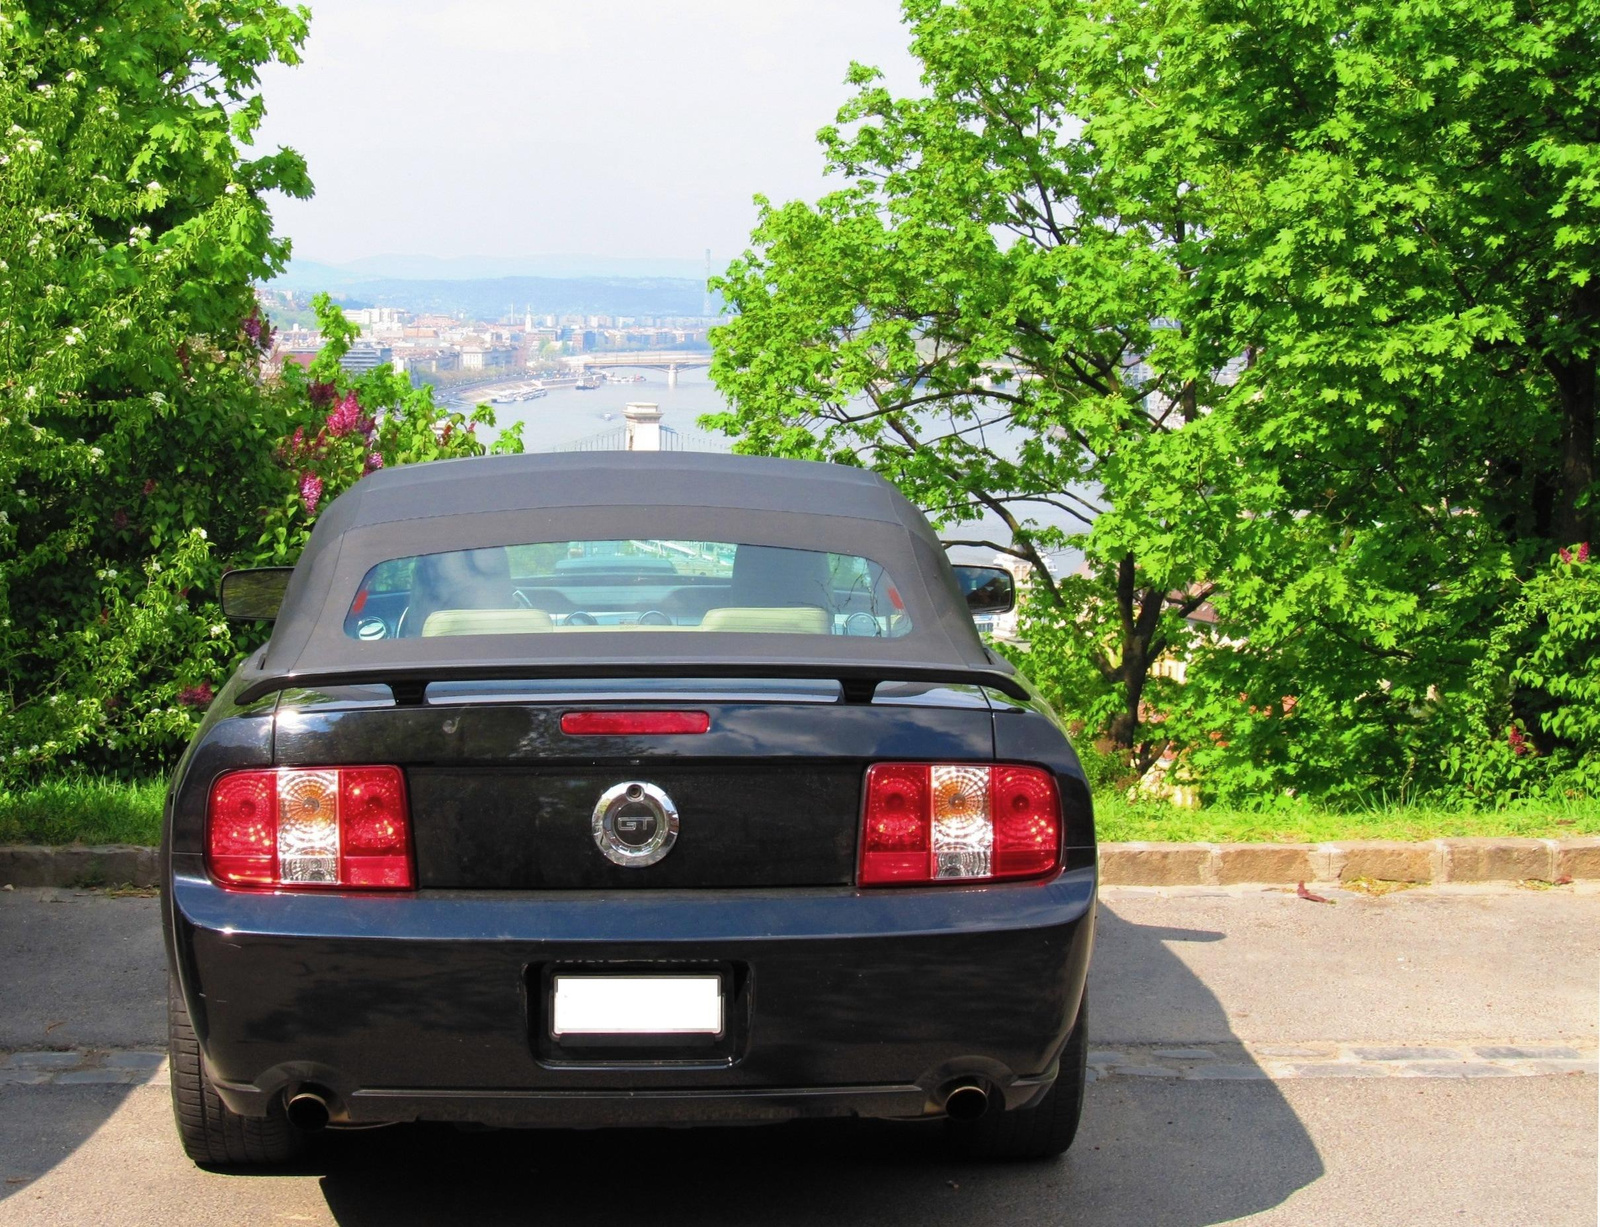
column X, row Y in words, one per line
column 254, row 594
column 989, row 590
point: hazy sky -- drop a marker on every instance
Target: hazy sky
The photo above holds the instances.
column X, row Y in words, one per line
column 520, row 127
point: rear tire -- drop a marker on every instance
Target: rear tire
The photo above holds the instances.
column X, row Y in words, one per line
column 210, row 1133
column 1043, row 1130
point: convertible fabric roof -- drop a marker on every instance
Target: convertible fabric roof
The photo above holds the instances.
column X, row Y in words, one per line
column 510, row 500
column 598, row 479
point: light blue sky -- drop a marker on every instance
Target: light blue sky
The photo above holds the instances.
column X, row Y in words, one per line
column 638, row 128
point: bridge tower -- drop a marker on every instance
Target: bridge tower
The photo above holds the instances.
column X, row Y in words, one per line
column 643, row 431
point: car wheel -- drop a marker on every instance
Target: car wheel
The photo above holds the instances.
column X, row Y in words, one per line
column 210, row 1133
column 1043, row 1130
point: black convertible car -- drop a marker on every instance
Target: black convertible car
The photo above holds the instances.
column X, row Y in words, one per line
column 625, row 789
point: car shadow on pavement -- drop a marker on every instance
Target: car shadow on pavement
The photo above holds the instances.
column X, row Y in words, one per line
column 1157, row 1151
column 44, row 1125
column 82, row 982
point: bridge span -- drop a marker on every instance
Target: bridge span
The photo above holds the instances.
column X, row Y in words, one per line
column 669, row 360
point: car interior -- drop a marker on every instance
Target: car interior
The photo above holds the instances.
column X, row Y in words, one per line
column 601, row 586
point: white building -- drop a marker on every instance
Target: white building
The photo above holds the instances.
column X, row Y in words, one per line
column 364, row 356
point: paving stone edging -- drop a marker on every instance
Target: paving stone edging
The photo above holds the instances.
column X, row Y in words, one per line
column 79, row 865
column 1391, row 860
column 1226, row 1062
column 1125, row 864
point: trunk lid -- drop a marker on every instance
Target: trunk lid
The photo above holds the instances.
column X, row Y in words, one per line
column 502, row 799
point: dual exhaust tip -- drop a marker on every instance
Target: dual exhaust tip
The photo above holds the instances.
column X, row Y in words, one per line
column 967, row 1100
column 308, row 1109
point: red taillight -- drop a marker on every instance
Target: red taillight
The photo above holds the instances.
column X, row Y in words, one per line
column 242, row 835
column 619, row 723
column 1027, row 821
column 949, row 822
column 295, row 827
column 894, row 840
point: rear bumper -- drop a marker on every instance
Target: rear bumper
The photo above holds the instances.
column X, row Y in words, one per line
column 594, row 1109
column 430, row 1006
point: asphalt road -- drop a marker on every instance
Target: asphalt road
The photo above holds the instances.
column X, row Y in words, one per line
column 1261, row 1058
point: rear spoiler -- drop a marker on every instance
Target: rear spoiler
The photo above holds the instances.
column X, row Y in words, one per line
column 410, row 683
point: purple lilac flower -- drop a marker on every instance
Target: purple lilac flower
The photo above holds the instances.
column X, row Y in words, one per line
column 374, row 463
column 322, row 393
column 196, row 696
column 346, row 417
column 310, row 492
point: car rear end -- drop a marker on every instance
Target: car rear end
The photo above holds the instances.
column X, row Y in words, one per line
column 453, row 909
column 588, row 790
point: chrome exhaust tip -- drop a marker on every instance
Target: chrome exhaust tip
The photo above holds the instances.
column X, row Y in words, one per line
column 307, row 1110
column 966, row 1101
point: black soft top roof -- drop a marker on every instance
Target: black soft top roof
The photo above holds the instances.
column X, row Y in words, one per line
column 567, row 496
column 597, row 479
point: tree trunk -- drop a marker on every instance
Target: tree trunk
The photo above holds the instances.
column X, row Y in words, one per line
column 1576, row 381
column 1139, row 611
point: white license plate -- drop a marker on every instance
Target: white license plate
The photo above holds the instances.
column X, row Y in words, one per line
column 637, row 1005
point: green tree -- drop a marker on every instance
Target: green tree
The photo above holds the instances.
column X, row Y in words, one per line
column 143, row 447
column 132, row 429
column 1380, row 222
column 1411, row 270
column 988, row 311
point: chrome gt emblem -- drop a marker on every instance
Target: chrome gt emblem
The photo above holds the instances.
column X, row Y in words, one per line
column 635, row 824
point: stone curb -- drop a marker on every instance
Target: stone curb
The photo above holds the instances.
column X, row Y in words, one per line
column 77, row 865
column 1129, row 864
column 1232, row 1061
column 1434, row 860
column 1242, row 1062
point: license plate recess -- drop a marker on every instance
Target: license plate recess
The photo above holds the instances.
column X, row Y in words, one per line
column 586, row 1013
column 633, row 1006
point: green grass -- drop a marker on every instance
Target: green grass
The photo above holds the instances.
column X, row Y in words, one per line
column 86, row 811
column 106, row 811
column 1118, row 820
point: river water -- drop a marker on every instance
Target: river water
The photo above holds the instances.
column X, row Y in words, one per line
column 567, row 416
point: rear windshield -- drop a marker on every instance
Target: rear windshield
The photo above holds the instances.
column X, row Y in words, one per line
column 588, row 587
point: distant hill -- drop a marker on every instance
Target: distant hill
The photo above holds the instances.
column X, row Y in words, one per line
column 489, row 287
